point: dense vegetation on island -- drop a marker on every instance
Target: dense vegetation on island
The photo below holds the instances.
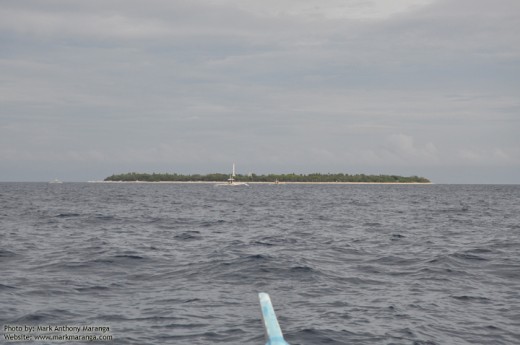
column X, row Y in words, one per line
column 217, row 177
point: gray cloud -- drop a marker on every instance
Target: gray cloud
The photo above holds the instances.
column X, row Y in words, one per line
column 406, row 87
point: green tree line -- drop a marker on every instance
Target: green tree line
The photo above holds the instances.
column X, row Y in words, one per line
column 315, row 177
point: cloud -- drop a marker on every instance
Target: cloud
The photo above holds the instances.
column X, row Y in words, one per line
column 405, row 149
column 275, row 84
column 492, row 156
column 335, row 9
column 78, row 20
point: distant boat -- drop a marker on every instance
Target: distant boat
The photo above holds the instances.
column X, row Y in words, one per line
column 231, row 180
column 55, row 181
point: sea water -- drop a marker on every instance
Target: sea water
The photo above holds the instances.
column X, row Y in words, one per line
column 184, row 263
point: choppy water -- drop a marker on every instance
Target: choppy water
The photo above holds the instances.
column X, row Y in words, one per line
column 344, row 264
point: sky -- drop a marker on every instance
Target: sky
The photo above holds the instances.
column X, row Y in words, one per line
column 406, row 87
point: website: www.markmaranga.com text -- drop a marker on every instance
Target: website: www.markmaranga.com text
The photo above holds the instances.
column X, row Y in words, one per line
column 65, row 333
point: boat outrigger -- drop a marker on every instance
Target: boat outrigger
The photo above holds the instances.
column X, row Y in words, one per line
column 273, row 332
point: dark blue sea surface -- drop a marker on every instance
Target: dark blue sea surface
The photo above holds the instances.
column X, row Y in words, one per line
column 183, row 263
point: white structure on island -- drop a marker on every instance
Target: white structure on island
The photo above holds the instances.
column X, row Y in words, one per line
column 231, row 180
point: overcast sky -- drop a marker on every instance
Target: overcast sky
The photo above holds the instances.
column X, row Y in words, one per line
column 408, row 87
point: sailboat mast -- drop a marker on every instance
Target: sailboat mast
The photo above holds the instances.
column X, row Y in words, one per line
column 234, row 170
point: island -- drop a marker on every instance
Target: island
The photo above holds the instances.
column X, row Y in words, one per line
column 269, row 178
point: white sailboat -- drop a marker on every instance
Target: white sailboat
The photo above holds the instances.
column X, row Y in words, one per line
column 231, row 180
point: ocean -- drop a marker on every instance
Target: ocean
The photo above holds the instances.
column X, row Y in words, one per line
column 141, row 263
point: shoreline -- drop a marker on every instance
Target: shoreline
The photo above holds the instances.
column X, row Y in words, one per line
column 263, row 183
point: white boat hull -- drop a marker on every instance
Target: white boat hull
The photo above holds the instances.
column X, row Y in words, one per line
column 232, row 184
